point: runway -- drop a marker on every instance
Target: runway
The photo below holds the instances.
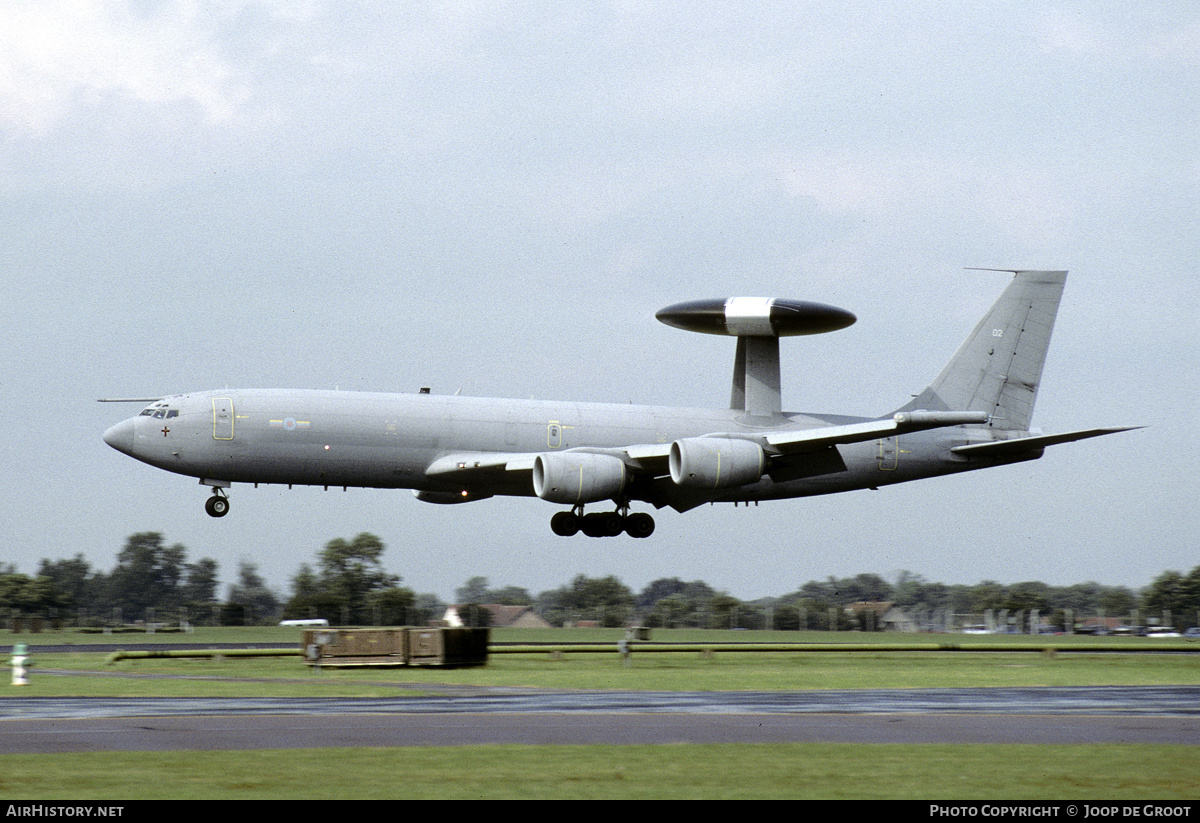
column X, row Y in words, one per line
column 461, row 716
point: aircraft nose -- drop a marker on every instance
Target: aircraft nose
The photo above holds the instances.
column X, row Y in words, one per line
column 120, row 437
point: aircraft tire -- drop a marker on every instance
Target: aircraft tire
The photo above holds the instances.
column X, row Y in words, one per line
column 639, row 525
column 602, row 524
column 565, row 524
column 216, row 506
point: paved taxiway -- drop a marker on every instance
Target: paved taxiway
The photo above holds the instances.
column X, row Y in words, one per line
column 464, row 716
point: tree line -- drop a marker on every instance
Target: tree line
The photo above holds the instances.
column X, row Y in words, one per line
column 348, row 585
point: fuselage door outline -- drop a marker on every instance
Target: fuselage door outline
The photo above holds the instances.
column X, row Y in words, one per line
column 222, row 418
column 889, row 454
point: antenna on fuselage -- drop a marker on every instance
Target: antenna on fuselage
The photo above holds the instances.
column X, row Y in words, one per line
column 757, row 323
column 127, row 399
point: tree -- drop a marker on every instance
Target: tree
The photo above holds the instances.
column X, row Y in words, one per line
column 987, row 594
column 199, row 589
column 348, row 584
column 605, row 599
column 1115, row 600
column 73, row 579
column 1028, row 596
column 152, row 575
column 725, row 610
column 252, row 594
column 351, row 571
column 1176, row 595
column 670, row 602
column 657, row 590
column 23, row 593
column 510, row 596
column 866, row 588
column 474, row 590
column 670, row 612
column 305, row 583
column 392, row 607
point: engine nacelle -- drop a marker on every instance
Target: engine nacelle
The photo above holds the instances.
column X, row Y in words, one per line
column 716, row 462
column 577, row 477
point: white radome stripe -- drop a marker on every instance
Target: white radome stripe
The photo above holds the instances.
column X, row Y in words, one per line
column 749, row 316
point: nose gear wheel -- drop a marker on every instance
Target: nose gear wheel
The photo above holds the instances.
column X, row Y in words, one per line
column 217, row 505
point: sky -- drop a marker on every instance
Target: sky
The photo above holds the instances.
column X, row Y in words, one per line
column 495, row 197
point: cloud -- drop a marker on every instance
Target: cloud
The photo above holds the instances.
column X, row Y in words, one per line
column 62, row 58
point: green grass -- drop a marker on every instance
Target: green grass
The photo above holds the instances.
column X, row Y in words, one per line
column 731, row 671
column 722, row 771
column 678, row 671
column 833, row 771
column 276, row 635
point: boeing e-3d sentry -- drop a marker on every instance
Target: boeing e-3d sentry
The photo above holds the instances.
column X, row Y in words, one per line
column 450, row 449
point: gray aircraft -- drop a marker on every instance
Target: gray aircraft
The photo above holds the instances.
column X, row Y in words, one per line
column 451, row 449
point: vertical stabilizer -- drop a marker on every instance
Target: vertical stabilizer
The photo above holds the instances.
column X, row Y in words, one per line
column 999, row 367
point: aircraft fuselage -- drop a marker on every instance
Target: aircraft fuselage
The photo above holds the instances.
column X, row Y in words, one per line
column 380, row 440
column 449, row 449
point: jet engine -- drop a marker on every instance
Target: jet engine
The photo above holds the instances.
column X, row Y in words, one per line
column 716, row 462
column 576, row 478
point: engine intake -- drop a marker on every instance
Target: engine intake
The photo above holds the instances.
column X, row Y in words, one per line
column 577, row 477
column 716, row 462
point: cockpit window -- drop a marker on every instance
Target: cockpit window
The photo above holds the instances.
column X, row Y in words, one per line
column 159, row 412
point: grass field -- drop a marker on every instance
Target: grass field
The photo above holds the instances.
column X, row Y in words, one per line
column 676, row 771
column 723, row 771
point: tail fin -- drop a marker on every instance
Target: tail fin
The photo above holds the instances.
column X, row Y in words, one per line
column 999, row 367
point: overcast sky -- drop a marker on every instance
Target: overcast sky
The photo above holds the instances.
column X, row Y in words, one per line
column 495, row 197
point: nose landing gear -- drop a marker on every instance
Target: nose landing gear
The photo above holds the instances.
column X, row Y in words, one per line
column 602, row 524
column 218, row 504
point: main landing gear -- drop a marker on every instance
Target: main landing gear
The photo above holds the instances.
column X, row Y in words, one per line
column 602, row 524
column 218, row 504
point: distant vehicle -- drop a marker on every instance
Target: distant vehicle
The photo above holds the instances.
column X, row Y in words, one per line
column 1162, row 631
column 318, row 621
column 975, row 415
column 1137, row 631
column 1193, row 633
column 975, row 630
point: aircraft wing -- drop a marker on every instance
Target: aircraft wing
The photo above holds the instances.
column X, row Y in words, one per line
column 798, row 442
column 1017, row 445
column 468, row 465
column 651, row 459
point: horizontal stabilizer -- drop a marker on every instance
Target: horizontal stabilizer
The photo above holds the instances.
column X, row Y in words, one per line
column 1019, row 445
